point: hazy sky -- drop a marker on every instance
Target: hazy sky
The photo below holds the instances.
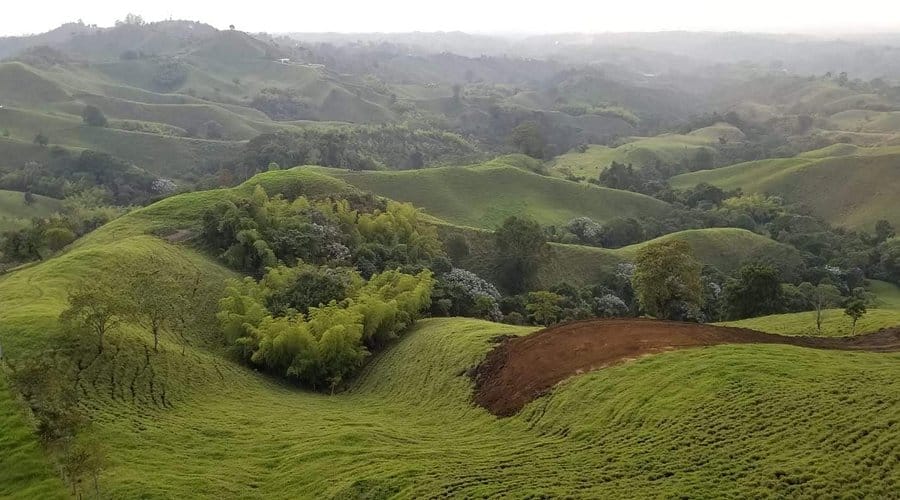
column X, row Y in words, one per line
column 483, row 16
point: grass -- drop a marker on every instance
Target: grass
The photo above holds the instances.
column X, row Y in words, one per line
column 835, row 323
column 725, row 421
column 484, row 195
column 668, row 149
column 849, row 190
column 724, row 248
column 167, row 156
column 16, row 214
column 24, row 470
column 887, row 295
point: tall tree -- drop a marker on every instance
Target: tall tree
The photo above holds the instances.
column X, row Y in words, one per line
column 755, row 291
column 520, row 244
column 820, row 297
column 855, row 309
column 667, row 280
column 95, row 306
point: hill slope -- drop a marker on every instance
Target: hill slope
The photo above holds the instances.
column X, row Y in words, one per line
column 722, row 421
column 484, row 195
column 850, row 190
column 15, row 213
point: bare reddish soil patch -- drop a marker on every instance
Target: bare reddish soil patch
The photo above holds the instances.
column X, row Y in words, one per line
column 521, row 369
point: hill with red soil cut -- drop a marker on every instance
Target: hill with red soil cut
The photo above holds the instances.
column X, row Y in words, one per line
column 521, row 369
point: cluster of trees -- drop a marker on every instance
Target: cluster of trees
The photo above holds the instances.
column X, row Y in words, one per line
column 64, row 174
column 81, row 214
column 355, row 148
column 346, row 319
column 255, row 233
column 153, row 295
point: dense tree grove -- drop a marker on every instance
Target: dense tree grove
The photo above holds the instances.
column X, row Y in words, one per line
column 323, row 347
column 254, row 233
column 520, row 246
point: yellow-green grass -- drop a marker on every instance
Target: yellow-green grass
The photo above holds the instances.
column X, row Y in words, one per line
column 15, row 213
column 853, row 191
column 24, row 469
column 835, row 323
column 484, row 195
column 668, row 149
column 726, row 421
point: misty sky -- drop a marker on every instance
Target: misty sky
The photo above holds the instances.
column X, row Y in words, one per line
column 481, row 16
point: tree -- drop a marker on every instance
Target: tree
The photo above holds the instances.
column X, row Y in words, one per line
column 41, row 140
column 520, row 244
column 883, row 231
column 622, row 231
column 29, row 198
column 755, row 291
column 92, row 116
column 543, row 307
column 855, row 309
column 96, row 306
column 819, row 297
column 213, row 130
column 528, row 138
column 151, row 293
column 667, row 280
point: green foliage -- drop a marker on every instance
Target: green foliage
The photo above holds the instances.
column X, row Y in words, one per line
column 358, row 148
column 543, row 307
column 667, row 280
column 754, row 291
column 252, row 234
column 527, row 137
column 855, row 309
column 323, row 348
column 521, row 245
column 97, row 306
column 93, row 116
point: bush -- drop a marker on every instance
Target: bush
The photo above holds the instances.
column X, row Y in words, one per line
column 92, row 116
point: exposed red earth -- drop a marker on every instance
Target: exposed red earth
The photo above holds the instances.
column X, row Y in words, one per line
column 521, row 369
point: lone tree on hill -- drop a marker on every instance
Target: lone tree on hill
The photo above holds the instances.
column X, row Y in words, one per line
column 820, row 297
column 92, row 116
column 667, row 281
column 855, row 309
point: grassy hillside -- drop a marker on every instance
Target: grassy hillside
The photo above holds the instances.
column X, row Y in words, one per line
column 24, row 470
column 723, row 421
column 484, row 195
column 725, row 248
column 849, row 190
column 667, row 149
column 15, row 213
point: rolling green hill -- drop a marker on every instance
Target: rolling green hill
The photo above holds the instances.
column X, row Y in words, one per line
column 722, row 421
column 724, row 248
column 667, row 149
column 484, row 195
column 849, row 190
column 15, row 213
